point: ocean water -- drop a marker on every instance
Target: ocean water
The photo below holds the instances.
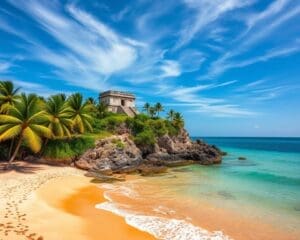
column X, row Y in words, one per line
column 265, row 187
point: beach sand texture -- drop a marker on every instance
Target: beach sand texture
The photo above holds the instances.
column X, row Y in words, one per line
column 41, row 202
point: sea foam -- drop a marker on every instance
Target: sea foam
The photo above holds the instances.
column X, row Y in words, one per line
column 160, row 227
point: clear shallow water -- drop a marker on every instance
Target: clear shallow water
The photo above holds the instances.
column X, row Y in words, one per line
column 265, row 186
column 268, row 180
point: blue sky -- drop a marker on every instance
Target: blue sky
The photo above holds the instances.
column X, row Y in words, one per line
column 232, row 67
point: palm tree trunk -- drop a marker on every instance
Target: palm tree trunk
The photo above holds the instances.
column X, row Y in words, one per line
column 11, row 147
column 16, row 151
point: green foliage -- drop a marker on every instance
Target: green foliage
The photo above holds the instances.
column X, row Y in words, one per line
column 111, row 122
column 58, row 118
column 119, row 143
column 8, row 95
column 80, row 113
column 68, row 126
column 25, row 121
column 145, row 138
column 68, row 148
column 157, row 126
column 172, row 130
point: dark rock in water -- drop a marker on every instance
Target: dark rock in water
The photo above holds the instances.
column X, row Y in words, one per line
column 226, row 195
column 242, row 158
column 98, row 177
column 181, row 170
column 224, row 153
column 148, row 170
column 297, row 208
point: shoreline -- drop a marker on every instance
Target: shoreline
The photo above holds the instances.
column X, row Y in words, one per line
column 60, row 203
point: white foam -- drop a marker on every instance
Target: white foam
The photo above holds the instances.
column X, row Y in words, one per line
column 163, row 228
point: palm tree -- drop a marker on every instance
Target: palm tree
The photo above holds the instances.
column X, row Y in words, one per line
column 91, row 100
column 8, row 95
column 152, row 112
column 178, row 120
column 171, row 115
column 147, row 107
column 25, row 122
column 80, row 113
column 158, row 108
column 101, row 109
column 59, row 122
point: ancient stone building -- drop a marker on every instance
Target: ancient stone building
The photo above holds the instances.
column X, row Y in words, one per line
column 119, row 102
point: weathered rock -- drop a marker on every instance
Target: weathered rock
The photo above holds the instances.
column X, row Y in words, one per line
column 182, row 149
column 108, row 156
column 99, row 177
column 119, row 154
column 149, row 170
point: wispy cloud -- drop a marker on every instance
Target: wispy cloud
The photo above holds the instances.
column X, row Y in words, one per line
column 205, row 13
column 90, row 45
column 170, row 69
column 5, row 66
column 224, row 64
column 191, row 98
column 42, row 90
column 121, row 14
column 274, row 16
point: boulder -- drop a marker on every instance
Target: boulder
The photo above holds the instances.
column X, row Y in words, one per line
column 109, row 157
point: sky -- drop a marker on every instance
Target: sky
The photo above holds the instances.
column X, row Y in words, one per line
column 231, row 67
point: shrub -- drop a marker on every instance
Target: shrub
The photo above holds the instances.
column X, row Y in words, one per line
column 111, row 122
column 146, row 137
column 172, row 130
column 68, row 148
column 158, row 127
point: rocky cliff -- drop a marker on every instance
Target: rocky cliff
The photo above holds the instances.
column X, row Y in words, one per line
column 119, row 154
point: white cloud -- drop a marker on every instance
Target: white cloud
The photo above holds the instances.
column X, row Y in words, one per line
column 205, row 13
column 120, row 15
column 190, row 97
column 40, row 89
column 92, row 52
column 5, row 66
column 224, row 64
column 274, row 16
column 170, row 68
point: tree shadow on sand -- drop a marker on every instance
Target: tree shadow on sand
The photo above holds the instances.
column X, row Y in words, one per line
column 19, row 167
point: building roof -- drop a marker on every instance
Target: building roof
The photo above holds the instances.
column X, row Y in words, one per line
column 117, row 94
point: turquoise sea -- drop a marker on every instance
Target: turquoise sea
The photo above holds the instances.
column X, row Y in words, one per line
column 265, row 187
column 268, row 180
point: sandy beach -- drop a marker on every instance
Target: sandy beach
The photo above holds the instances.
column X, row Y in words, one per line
column 45, row 202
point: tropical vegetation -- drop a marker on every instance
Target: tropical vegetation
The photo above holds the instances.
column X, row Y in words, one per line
column 61, row 127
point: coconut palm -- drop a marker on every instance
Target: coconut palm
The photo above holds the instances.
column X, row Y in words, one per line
column 171, row 115
column 158, row 108
column 152, row 112
column 80, row 113
column 8, row 95
column 58, row 112
column 91, row 100
column 178, row 120
column 25, row 122
column 101, row 109
column 146, row 108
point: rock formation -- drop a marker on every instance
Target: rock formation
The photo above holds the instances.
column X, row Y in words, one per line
column 119, row 154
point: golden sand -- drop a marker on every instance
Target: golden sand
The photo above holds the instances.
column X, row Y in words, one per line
column 59, row 203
